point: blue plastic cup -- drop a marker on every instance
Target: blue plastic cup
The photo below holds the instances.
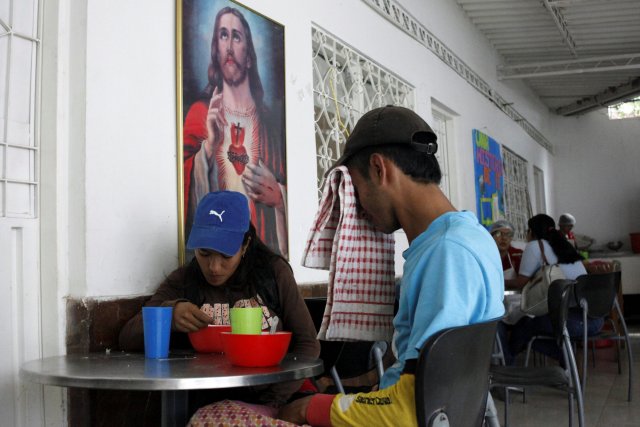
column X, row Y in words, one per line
column 157, row 329
column 157, row 368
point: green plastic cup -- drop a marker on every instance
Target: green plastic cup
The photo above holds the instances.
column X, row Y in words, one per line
column 246, row 320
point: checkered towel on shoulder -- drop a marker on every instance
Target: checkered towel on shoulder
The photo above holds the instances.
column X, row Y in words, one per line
column 360, row 260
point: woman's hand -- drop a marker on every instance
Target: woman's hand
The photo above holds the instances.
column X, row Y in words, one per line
column 517, row 283
column 187, row 317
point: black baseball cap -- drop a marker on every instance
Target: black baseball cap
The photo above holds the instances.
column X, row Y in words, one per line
column 390, row 125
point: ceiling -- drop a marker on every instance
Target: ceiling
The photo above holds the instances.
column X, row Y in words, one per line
column 577, row 55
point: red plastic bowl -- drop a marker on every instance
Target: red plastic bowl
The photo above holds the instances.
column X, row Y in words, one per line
column 207, row 340
column 255, row 350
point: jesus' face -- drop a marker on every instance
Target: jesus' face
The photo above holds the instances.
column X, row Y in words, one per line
column 232, row 50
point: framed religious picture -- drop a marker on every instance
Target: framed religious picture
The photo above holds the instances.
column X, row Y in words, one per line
column 231, row 114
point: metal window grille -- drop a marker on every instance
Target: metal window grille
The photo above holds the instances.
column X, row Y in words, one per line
column 346, row 84
column 19, row 53
column 517, row 203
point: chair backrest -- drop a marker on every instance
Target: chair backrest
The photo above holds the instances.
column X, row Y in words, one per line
column 559, row 295
column 452, row 374
column 599, row 291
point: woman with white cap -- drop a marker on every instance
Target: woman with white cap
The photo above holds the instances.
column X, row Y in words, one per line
column 565, row 225
column 502, row 232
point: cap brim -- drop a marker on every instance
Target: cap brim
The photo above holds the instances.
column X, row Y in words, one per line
column 226, row 242
column 340, row 162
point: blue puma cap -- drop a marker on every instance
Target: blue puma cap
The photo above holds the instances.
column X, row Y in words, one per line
column 221, row 221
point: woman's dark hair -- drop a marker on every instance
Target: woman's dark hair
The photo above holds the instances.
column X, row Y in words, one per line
column 421, row 167
column 544, row 227
column 254, row 275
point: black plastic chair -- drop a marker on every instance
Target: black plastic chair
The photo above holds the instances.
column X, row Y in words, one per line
column 346, row 359
column 559, row 296
column 452, row 380
column 597, row 295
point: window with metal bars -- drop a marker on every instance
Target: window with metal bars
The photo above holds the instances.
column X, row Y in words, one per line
column 347, row 84
column 517, row 203
column 19, row 53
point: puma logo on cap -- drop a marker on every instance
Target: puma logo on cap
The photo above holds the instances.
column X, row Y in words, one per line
column 219, row 215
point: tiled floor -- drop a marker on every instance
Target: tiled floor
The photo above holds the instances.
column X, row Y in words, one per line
column 606, row 402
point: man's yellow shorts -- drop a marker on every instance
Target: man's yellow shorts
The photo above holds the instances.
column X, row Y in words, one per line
column 392, row 406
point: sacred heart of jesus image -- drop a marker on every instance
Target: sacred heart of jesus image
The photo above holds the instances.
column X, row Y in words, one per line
column 237, row 153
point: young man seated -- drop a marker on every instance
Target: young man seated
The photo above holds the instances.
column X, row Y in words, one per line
column 452, row 273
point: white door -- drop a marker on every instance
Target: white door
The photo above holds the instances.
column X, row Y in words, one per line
column 21, row 404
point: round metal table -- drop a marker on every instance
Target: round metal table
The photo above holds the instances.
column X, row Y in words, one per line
column 173, row 376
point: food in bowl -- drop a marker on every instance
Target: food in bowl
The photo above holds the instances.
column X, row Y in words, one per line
column 614, row 246
column 254, row 351
column 207, row 340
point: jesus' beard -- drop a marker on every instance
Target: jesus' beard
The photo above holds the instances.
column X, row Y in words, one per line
column 234, row 79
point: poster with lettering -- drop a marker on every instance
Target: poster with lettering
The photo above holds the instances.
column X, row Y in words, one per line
column 489, row 178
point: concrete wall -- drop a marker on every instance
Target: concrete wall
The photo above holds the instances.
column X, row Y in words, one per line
column 598, row 177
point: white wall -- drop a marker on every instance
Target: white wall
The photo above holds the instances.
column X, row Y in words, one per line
column 130, row 194
column 598, row 176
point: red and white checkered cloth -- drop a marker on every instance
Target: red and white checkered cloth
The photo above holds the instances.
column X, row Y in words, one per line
column 360, row 260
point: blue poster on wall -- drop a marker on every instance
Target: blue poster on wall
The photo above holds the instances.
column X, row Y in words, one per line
column 488, row 178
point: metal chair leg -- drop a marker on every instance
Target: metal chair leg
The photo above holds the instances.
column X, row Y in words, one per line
column 585, row 345
column 491, row 413
column 628, row 345
column 336, row 379
column 506, row 407
column 378, row 350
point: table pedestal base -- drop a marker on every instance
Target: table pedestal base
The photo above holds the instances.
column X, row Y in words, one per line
column 174, row 408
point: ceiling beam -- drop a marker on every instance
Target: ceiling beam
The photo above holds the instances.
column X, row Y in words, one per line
column 596, row 64
column 608, row 97
column 561, row 23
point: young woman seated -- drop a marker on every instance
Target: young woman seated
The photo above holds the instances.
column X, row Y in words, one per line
column 231, row 268
column 544, row 237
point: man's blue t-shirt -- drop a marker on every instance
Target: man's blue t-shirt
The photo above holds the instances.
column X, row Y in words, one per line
column 452, row 277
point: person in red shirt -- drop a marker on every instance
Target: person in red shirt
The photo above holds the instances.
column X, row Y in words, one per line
column 565, row 225
column 502, row 232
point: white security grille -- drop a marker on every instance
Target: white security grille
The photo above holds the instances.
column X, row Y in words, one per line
column 18, row 148
column 346, row 84
column 517, row 204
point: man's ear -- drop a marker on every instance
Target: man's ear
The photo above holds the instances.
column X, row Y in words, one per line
column 377, row 168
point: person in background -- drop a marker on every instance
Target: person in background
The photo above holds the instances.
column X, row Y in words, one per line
column 452, row 272
column 565, row 224
column 502, row 232
column 543, row 235
column 231, row 268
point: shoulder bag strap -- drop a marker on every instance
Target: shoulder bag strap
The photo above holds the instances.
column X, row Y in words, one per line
column 544, row 258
